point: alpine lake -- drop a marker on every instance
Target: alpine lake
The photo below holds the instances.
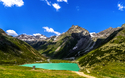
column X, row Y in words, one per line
column 55, row 66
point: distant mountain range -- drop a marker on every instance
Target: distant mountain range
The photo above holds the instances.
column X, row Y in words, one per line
column 25, row 37
column 76, row 42
column 41, row 37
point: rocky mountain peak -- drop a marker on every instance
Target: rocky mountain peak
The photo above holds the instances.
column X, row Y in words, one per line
column 75, row 26
column 78, row 29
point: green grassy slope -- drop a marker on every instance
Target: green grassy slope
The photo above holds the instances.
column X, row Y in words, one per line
column 16, row 51
column 111, row 70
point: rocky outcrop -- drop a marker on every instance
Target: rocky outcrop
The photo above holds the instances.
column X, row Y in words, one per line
column 104, row 33
column 3, row 32
column 79, row 30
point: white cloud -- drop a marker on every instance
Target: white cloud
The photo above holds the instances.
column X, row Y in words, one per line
column 62, row 1
column 9, row 3
column 51, row 30
column 37, row 34
column 48, row 3
column 12, row 33
column 56, row 6
column 120, row 7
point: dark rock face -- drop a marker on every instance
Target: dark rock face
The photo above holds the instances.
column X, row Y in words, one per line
column 84, row 41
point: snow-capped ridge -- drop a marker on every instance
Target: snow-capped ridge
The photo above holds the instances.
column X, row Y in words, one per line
column 34, row 37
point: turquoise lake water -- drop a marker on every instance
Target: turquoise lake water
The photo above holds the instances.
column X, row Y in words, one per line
column 55, row 66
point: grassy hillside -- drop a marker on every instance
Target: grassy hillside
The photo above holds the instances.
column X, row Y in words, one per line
column 14, row 51
column 27, row 72
column 111, row 70
column 108, row 59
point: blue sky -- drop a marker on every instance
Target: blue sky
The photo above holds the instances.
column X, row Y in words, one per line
column 53, row 17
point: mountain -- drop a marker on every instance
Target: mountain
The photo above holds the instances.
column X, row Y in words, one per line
column 76, row 42
column 104, row 34
column 25, row 37
column 112, row 50
column 67, row 44
column 107, row 60
column 13, row 50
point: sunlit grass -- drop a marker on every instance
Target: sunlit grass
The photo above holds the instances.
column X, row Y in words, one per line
column 112, row 70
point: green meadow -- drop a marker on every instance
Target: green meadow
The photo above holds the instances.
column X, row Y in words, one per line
column 27, row 72
column 111, row 70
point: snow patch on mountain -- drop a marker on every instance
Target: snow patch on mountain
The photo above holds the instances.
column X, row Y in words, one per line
column 92, row 34
column 75, row 47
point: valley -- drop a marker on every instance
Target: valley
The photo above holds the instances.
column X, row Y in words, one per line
column 99, row 55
